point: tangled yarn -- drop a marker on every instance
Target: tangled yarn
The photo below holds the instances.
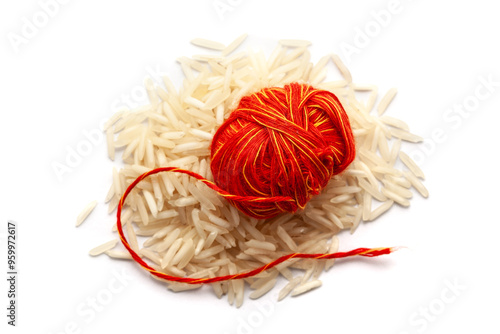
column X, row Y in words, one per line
column 284, row 144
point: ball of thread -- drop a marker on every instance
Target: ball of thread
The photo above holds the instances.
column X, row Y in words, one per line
column 284, row 143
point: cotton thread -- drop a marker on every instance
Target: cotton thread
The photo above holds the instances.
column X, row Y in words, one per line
column 281, row 142
column 277, row 149
column 366, row 252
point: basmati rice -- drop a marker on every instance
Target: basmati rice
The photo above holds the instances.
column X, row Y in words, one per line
column 118, row 254
column 234, row 45
column 85, row 213
column 193, row 232
column 405, row 158
column 103, row 248
column 386, row 100
column 306, row 287
column 205, row 43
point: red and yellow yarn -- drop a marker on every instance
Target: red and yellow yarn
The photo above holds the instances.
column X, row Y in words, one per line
column 282, row 143
column 279, row 148
column 366, row 252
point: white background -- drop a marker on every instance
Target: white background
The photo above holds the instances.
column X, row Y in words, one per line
column 74, row 71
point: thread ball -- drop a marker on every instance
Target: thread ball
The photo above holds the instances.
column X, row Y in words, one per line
column 284, row 142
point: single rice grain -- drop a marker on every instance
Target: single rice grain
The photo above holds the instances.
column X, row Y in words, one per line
column 85, row 213
column 103, row 248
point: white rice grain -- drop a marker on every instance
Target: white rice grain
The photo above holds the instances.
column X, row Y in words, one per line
column 294, row 42
column 401, row 191
column 234, row 45
column 303, row 288
column 381, row 209
column 150, row 255
column 141, row 207
column 178, row 287
column 397, row 123
column 201, row 134
column 110, row 144
column 103, row 248
column 288, row 288
column 386, row 100
column 371, row 190
column 219, row 114
column 194, row 102
column 405, row 135
column 342, row 68
column 118, row 254
column 417, row 184
column 185, row 254
column 132, row 237
column 205, row 43
column 265, row 288
column 110, row 194
column 151, row 203
column 356, row 220
column 168, row 241
column 399, row 180
column 261, row 245
column 412, row 166
column 341, row 198
column 395, row 197
column 287, row 239
column 185, row 201
column 169, row 255
column 116, row 183
column 85, row 213
column 367, row 206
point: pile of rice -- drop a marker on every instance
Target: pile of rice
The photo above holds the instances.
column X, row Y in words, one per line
column 186, row 229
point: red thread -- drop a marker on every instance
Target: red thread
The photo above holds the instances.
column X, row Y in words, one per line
column 281, row 142
column 367, row 252
column 279, row 148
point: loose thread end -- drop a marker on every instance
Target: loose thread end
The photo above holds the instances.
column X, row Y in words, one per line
column 396, row 248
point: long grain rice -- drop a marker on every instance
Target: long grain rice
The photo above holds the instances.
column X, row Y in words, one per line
column 386, row 100
column 381, row 209
column 119, row 254
column 405, row 158
column 395, row 197
column 205, row 43
column 85, row 213
column 234, row 45
column 193, row 232
column 306, row 287
column 103, row 248
column 417, row 184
